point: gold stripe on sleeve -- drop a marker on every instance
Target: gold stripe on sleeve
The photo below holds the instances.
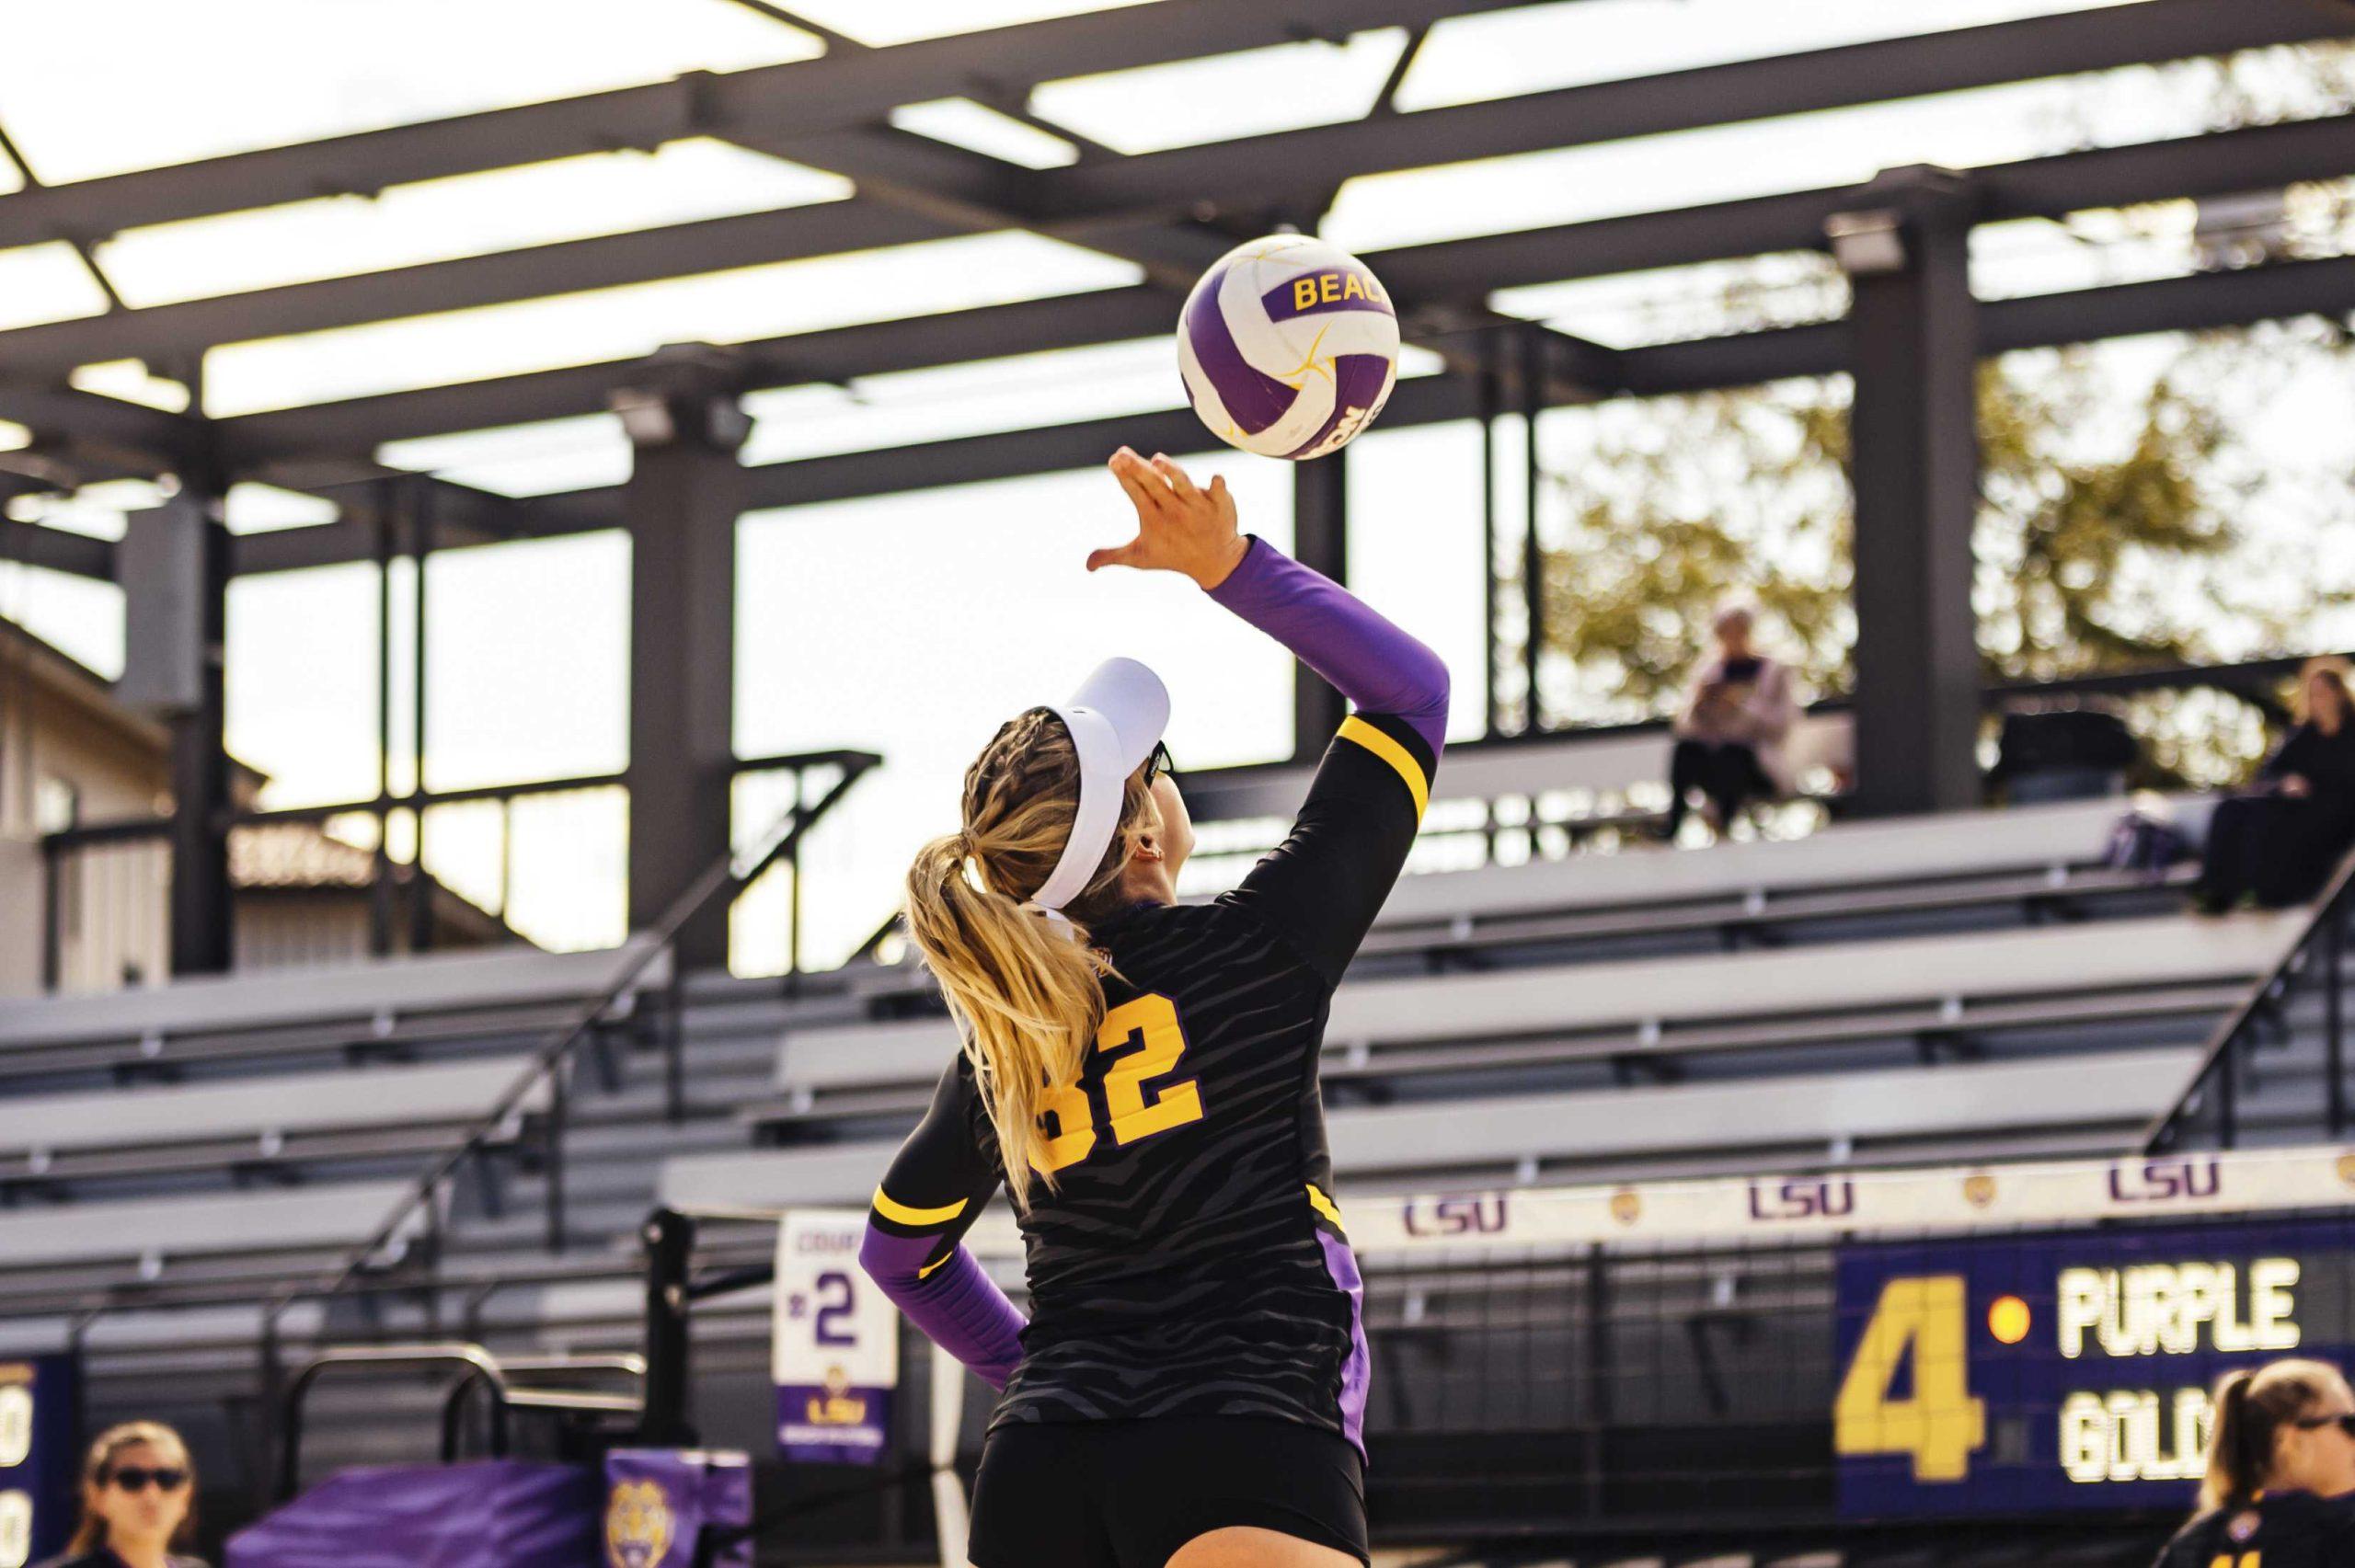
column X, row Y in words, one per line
column 1397, row 756
column 925, row 1272
column 901, row 1214
column 1324, row 1205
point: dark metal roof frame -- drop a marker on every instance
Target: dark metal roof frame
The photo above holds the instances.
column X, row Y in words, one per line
column 1461, row 270
column 2209, row 300
column 913, row 189
column 805, row 96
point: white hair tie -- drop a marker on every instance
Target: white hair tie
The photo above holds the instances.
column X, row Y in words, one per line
column 1057, row 921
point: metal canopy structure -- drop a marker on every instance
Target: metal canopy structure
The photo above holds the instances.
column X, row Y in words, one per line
column 1910, row 341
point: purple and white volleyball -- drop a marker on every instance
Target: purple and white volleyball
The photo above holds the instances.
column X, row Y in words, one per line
column 1289, row 347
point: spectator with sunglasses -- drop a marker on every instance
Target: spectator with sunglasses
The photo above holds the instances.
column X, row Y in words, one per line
column 2281, row 1483
column 138, row 1501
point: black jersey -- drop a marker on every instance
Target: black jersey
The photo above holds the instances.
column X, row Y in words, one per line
column 1192, row 1261
column 2278, row 1529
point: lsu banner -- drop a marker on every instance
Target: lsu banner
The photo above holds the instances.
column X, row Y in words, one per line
column 662, row 1506
column 835, row 1356
column 1767, row 1208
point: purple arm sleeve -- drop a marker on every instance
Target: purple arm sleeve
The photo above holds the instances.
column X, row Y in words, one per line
column 958, row 1306
column 1377, row 666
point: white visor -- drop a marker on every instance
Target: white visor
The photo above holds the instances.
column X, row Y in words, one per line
column 1115, row 720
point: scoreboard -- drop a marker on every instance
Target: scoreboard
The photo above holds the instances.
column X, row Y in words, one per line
column 2026, row 1374
column 37, row 1457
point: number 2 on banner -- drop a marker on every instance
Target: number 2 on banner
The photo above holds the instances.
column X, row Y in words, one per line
column 1941, row 1426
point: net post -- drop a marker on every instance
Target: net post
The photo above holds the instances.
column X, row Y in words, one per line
column 669, row 1238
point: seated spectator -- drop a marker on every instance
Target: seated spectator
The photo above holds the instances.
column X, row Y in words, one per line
column 2276, row 842
column 1729, row 735
column 138, row 1495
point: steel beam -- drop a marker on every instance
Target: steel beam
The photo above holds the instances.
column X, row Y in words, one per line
column 1273, row 166
column 2209, row 300
column 928, row 189
column 1463, row 269
column 471, row 282
column 1050, row 451
column 357, row 426
column 55, row 549
column 804, row 95
column 1913, row 431
column 1320, row 538
column 2260, row 158
column 681, row 507
column 174, row 566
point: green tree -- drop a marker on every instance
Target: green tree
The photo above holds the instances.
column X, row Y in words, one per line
column 2128, row 519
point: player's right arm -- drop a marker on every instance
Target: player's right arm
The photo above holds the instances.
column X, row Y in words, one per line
column 914, row 1249
column 1321, row 890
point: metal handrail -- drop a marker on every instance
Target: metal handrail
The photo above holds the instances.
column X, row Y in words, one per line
column 723, row 876
column 58, row 846
column 2217, row 1058
column 476, row 1368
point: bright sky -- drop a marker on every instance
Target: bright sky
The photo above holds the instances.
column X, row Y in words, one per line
column 909, row 625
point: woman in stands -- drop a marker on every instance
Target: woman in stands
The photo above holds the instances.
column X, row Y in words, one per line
column 2280, row 1473
column 1141, row 1076
column 2276, row 844
column 138, row 1496
column 1730, row 732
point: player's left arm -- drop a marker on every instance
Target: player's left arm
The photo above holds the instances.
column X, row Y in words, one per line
column 914, row 1250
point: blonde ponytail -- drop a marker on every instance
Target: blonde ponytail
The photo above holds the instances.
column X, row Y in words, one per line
column 1026, row 989
column 2251, row 1408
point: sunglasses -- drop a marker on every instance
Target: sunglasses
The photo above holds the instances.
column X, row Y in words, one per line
column 134, row 1478
column 2315, row 1423
column 1158, row 764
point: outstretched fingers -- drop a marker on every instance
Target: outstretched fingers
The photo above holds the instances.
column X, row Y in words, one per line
column 1146, row 492
column 1174, row 476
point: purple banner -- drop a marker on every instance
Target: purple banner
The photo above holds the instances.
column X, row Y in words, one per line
column 39, row 1457
column 833, row 1423
column 660, row 1504
column 489, row 1513
column 2009, row 1374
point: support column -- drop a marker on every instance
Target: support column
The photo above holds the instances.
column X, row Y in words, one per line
column 174, row 567
column 681, row 506
column 1915, row 472
column 1320, row 535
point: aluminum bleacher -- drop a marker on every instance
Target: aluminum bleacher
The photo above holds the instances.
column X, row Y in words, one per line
column 243, row 1125
column 2077, row 1104
column 2029, row 855
column 294, row 1080
column 1840, row 1036
column 92, row 1246
column 1659, row 1010
column 276, row 1015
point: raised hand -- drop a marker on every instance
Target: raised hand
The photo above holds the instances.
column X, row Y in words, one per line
column 1180, row 526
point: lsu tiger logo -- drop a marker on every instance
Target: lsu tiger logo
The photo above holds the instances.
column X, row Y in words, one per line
column 1627, row 1206
column 1979, row 1189
column 837, row 1406
column 638, row 1525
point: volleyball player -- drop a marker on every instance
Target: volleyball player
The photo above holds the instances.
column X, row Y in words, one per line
column 1141, row 1077
column 2281, row 1486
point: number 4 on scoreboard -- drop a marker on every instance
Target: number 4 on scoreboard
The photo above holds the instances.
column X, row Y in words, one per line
column 1941, row 1426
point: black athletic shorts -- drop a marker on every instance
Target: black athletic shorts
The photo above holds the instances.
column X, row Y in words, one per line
column 1129, row 1493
